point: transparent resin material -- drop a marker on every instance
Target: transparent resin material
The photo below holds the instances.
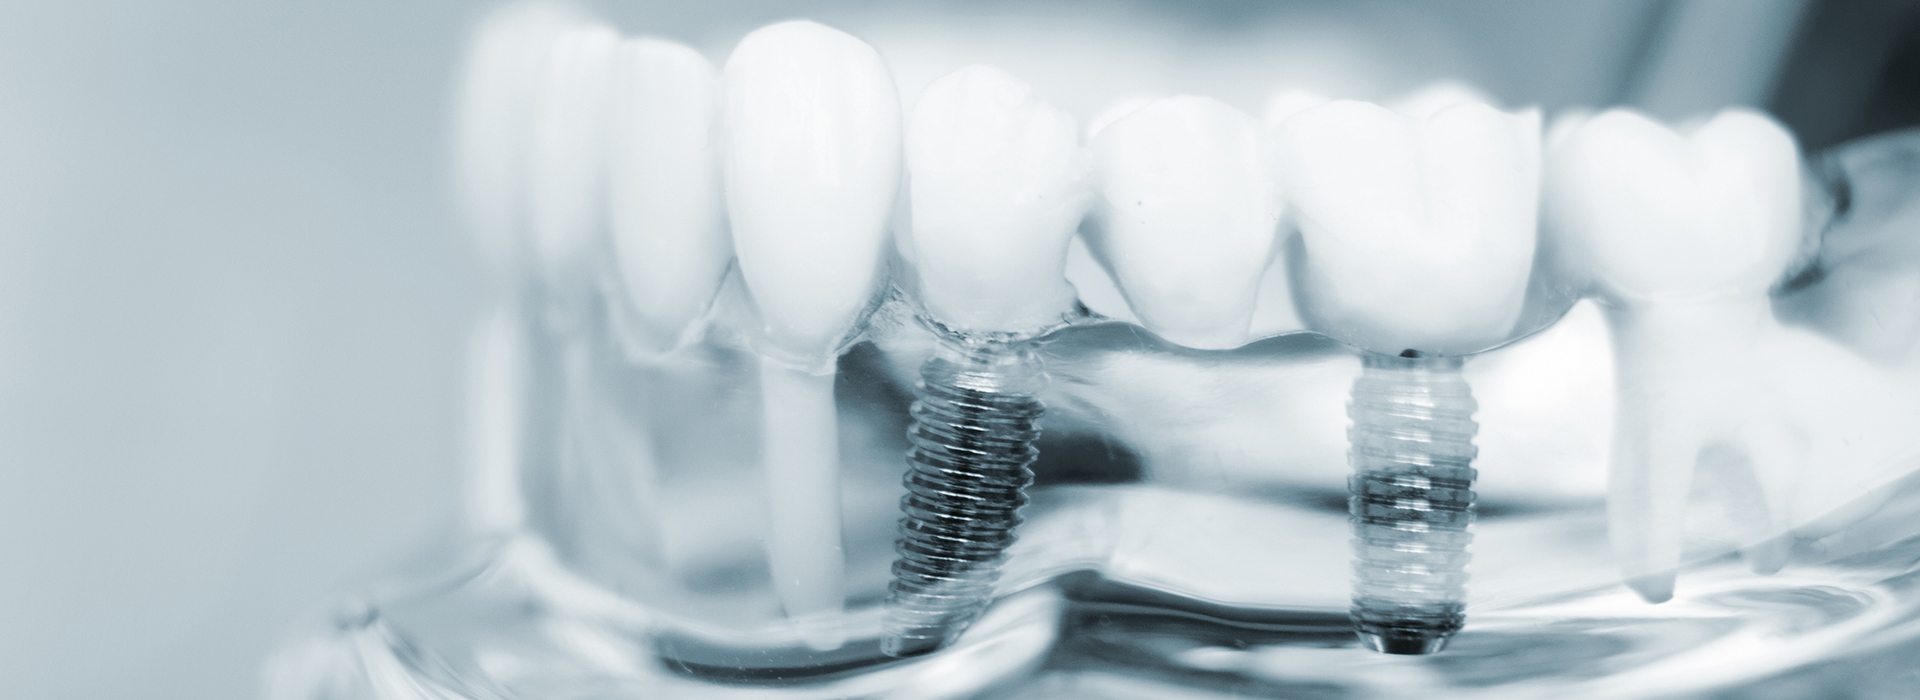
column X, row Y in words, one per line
column 1187, row 534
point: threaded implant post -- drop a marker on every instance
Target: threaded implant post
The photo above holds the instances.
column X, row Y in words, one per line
column 974, row 423
column 1411, row 499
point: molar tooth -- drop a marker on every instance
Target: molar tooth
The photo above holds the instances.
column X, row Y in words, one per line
column 1684, row 235
column 1419, row 234
column 666, row 212
column 1188, row 212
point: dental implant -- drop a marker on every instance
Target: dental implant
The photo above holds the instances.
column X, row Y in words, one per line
column 998, row 185
column 1419, row 230
column 975, row 419
column 1410, row 500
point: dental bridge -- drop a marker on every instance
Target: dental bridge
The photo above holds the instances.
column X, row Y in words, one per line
column 1131, row 363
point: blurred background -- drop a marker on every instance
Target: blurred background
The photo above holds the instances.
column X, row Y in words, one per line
column 235, row 295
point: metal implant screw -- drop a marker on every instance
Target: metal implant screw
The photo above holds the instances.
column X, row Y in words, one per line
column 1411, row 499
column 974, row 423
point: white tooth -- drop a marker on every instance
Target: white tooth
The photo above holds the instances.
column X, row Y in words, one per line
column 1116, row 112
column 568, row 164
column 1289, row 103
column 1685, row 234
column 666, row 211
column 812, row 125
column 1419, row 234
column 1427, row 101
column 1188, row 211
column 999, row 183
column 812, row 164
column 506, row 64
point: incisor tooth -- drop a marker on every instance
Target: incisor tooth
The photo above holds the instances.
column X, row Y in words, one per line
column 812, row 124
column 666, row 215
column 812, row 127
column 1188, row 209
column 568, row 164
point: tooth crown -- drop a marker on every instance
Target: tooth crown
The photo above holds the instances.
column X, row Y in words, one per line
column 568, row 167
column 812, row 165
column 1652, row 213
column 506, row 65
column 1418, row 234
column 1188, row 209
column 999, row 183
column 666, row 214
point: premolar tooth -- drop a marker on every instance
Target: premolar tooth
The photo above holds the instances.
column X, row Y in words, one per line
column 812, row 121
column 1684, row 234
column 666, row 215
column 999, row 183
column 568, row 163
column 1188, row 210
column 812, row 166
column 1419, row 234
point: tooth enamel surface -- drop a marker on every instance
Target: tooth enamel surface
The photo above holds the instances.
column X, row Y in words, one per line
column 999, row 183
column 1658, row 214
column 1188, row 211
column 1425, row 102
column 568, row 161
column 506, row 65
column 812, row 127
column 667, row 216
column 1418, row 234
column 1289, row 103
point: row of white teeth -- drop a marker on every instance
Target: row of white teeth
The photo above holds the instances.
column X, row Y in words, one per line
column 1419, row 226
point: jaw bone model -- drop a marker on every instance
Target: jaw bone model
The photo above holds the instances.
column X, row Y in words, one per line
column 812, row 124
column 998, row 186
column 1419, row 237
column 1682, row 236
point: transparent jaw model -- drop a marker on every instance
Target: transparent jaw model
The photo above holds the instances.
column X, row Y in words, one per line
column 1186, row 531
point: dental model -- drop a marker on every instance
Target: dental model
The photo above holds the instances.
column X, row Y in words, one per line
column 1683, row 235
column 998, row 183
column 812, row 164
column 666, row 213
column 1187, row 212
column 1419, row 236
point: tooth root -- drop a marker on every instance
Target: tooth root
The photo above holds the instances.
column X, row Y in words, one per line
column 1648, row 484
column 1776, row 456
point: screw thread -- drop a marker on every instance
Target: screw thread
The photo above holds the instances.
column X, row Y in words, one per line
column 974, row 424
column 1411, row 500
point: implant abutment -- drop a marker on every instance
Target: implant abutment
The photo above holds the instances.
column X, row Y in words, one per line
column 975, row 420
column 1410, row 500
